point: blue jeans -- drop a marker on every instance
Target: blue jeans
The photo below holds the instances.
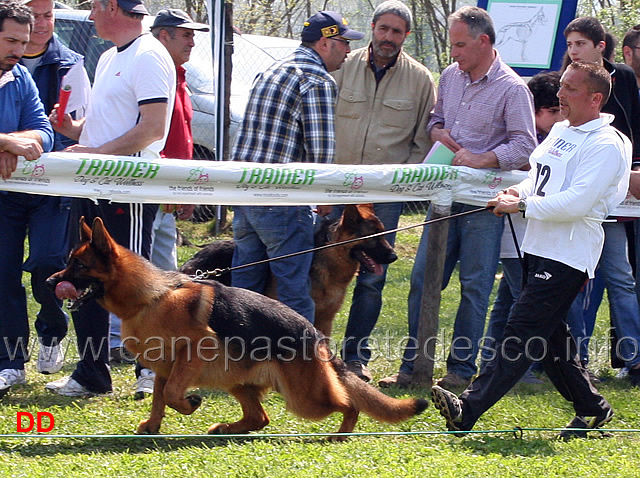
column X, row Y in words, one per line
column 367, row 295
column 45, row 219
column 508, row 293
column 474, row 241
column 637, row 251
column 583, row 312
column 262, row 232
column 620, row 284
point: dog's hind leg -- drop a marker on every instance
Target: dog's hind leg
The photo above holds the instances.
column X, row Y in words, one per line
column 151, row 425
column 254, row 416
column 349, row 420
column 184, row 373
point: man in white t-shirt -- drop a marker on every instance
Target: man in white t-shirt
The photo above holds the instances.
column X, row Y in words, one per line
column 129, row 114
column 578, row 175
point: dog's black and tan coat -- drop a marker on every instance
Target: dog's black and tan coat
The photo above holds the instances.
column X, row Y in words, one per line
column 332, row 269
column 205, row 334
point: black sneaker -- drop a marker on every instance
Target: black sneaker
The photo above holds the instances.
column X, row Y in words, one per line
column 634, row 377
column 449, row 405
column 583, row 425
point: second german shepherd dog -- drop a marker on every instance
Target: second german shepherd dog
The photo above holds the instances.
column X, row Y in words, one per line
column 205, row 334
column 332, row 269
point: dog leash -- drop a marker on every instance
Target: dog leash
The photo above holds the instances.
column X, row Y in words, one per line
column 218, row 272
column 515, row 240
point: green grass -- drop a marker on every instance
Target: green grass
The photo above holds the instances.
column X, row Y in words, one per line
column 479, row 455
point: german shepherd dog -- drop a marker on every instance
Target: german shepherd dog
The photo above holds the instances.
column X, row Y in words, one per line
column 205, row 334
column 332, row 269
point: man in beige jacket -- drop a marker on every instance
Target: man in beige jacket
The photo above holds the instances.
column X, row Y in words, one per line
column 381, row 118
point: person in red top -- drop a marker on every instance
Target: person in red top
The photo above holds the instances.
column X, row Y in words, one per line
column 176, row 31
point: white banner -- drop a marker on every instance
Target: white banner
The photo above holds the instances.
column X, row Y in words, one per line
column 174, row 181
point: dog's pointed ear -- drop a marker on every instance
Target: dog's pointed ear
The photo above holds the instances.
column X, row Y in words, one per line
column 101, row 239
column 85, row 231
column 365, row 211
column 350, row 217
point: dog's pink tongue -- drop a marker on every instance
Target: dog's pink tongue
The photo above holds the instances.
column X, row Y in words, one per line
column 66, row 290
column 377, row 269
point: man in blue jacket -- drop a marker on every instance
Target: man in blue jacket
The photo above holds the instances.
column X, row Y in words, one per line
column 24, row 131
column 48, row 60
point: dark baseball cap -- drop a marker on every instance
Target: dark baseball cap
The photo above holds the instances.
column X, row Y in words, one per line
column 133, row 6
column 172, row 17
column 328, row 24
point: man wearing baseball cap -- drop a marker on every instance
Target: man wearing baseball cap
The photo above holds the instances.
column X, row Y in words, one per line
column 289, row 118
column 176, row 31
column 328, row 25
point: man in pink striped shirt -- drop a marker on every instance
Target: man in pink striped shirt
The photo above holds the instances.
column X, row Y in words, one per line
column 484, row 113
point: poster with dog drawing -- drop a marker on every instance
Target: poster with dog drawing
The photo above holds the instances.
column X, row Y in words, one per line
column 525, row 31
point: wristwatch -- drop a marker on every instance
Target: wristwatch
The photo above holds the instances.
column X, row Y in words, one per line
column 522, row 206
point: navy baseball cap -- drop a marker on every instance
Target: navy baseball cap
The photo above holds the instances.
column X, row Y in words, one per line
column 172, row 17
column 328, row 24
column 133, row 6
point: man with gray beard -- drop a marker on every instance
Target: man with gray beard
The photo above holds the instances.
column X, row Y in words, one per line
column 381, row 118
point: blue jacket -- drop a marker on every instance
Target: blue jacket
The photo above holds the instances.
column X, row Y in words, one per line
column 21, row 107
column 55, row 63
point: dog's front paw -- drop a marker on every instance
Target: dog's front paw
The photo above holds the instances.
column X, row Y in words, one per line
column 147, row 428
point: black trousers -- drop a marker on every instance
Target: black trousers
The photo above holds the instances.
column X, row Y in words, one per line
column 537, row 331
column 130, row 224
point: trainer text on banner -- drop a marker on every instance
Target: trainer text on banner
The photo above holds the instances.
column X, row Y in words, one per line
column 173, row 181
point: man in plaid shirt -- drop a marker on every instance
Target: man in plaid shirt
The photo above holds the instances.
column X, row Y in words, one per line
column 289, row 118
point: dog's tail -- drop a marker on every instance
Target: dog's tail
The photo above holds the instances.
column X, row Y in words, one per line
column 374, row 403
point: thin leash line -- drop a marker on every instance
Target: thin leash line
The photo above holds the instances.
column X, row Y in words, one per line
column 515, row 240
column 517, row 432
column 219, row 272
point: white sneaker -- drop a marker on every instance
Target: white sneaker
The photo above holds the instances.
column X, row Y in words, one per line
column 68, row 387
column 50, row 359
column 10, row 377
column 623, row 373
column 144, row 384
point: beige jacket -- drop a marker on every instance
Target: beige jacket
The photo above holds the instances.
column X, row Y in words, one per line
column 387, row 125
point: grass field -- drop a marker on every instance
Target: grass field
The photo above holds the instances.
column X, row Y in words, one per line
column 537, row 409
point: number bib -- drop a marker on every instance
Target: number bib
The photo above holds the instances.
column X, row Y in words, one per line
column 551, row 159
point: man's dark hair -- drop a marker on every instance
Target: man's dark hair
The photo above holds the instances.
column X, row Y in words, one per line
column 598, row 78
column 589, row 27
column 632, row 37
column 478, row 21
column 16, row 11
column 544, row 87
column 611, row 42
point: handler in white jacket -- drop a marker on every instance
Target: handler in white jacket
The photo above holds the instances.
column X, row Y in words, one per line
column 579, row 174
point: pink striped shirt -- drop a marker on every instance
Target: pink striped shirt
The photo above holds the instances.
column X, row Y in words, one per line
column 494, row 113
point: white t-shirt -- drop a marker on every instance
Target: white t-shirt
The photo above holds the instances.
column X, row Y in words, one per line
column 142, row 72
column 578, row 176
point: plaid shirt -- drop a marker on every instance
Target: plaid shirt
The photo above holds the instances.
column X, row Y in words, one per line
column 494, row 113
column 290, row 114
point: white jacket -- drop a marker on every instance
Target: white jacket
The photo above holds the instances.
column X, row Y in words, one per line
column 578, row 176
